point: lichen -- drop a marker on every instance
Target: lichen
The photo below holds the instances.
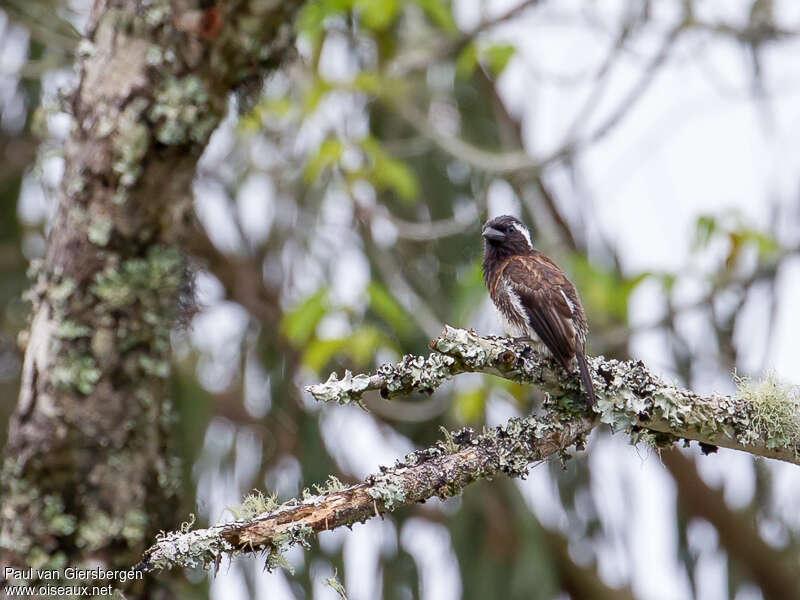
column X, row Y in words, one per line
column 331, row 486
column 99, row 231
column 389, row 490
column 342, row 391
column 775, row 411
column 254, row 504
column 68, row 329
column 182, row 111
column 202, row 547
column 131, row 142
column 79, row 372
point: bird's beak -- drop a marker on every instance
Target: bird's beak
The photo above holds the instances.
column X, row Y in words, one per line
column 493, row 235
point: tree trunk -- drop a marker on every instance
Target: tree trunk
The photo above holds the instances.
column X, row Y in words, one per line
column 88, row 477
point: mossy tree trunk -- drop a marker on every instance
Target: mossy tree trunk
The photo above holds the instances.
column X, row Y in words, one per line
column 87, row 477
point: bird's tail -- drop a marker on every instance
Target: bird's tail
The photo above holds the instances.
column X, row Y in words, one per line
column 586, row 378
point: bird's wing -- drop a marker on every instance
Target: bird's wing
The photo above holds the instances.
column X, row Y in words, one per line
column 544, row 291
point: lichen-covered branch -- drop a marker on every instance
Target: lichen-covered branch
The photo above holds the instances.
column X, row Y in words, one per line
column 440, row 471
column 762, row 420
column 87, row 474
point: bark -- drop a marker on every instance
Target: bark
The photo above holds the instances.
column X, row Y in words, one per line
column 88, row 476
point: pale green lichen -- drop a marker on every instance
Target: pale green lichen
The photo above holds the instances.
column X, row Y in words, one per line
column 154, row 366
column 79, row 372
column 389, row 490
column 99, row 231
column 202, row 547
column 331, row 486
column 137, row 279
column 131, row 142
column 334, row 583
column 416, row 373
column 342, row 391
column 296, row 534
column 71, row 330
column 60, row 292
column 181, row 111
column 774, row 408
column 254, row 504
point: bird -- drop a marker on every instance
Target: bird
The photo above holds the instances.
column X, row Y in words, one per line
column 535, row 300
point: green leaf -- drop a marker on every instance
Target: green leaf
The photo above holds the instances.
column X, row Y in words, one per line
column 328, row 155
column 469, row 293
column 467, row 61
column 313, row 14
column 369, row 82
column 362, row 345
column 388, row 172
column 319, row 353
column 377, row 14
column 605, row 291
column 470, row 404
column 315, row 95
column 359, row 347
column 704, row 229
column 299, row 324
column 439, row 13
column 384, row 304
column 497, row 57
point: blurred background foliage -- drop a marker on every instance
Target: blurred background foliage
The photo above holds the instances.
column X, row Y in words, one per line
column 341, row 207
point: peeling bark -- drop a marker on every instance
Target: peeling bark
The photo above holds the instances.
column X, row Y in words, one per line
column 88, row 476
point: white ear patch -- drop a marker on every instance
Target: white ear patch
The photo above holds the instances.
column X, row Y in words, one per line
column 524, row 231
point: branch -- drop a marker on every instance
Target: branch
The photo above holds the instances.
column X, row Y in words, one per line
column 441, row 471
column 771, row 568
column 629, row 398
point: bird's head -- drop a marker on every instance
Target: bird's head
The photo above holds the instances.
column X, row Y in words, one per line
column 507, row 235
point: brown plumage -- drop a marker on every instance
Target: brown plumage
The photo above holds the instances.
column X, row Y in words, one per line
column 533, row 296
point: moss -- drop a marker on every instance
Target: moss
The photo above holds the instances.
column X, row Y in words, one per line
column 775, row 411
